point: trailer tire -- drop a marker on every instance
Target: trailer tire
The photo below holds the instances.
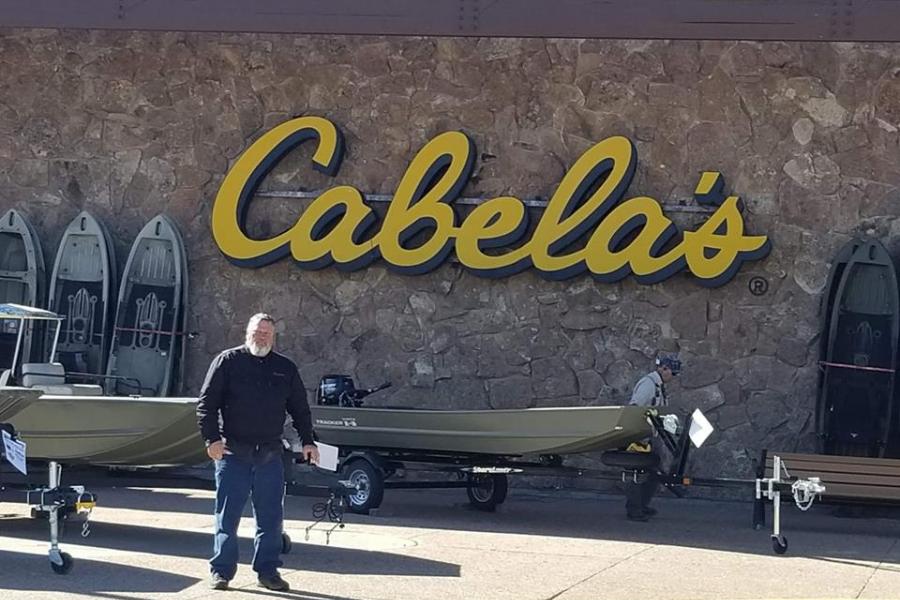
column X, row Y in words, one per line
column 487, row 490
column 66, row 567
column 369, row 482
column 779, row 544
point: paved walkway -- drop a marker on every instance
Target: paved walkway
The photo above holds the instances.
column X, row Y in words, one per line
column 153, row 543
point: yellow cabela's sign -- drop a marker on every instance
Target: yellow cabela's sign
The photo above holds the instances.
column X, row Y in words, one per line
column 629, row 236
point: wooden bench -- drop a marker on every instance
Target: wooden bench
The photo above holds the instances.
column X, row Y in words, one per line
column 847, row 479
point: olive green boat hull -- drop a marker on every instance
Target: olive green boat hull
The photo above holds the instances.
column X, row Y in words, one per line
column 516, row 432
column 14, row 399
column 104, row 430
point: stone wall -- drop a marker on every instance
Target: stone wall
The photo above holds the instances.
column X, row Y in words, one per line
column 128, row 125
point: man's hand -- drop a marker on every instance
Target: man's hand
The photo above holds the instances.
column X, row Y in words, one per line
column 216, row 450
column 310, row 453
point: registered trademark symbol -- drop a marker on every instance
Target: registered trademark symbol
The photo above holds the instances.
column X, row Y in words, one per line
column 758, row 286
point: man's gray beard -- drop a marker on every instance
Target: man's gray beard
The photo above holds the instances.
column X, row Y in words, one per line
column 257, row 350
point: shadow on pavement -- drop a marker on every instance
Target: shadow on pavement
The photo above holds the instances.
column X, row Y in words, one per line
column 686, row 522
column 194, row 544
column 25, row 571
column 295, row 594
column 180, row 490
column 158, row 500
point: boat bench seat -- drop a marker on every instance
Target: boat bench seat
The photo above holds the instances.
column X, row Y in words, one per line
column 51, row 379
column 847, row 479
column 34, row 374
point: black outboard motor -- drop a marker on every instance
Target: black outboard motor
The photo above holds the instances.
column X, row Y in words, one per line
column 333, row 389
column 8, row 428
column 339, row 390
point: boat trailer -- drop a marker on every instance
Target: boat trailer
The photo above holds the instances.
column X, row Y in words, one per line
column 367, row 472
column 54, row 501
column 803, row 491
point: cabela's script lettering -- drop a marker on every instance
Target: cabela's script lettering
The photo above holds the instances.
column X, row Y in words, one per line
column 622, row 236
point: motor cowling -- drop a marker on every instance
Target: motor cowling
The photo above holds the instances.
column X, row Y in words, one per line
column 335, row 390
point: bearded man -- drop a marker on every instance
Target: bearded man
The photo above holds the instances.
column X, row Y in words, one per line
column 247, row 393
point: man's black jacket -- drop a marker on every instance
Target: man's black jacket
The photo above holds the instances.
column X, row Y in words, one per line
column 252, row 394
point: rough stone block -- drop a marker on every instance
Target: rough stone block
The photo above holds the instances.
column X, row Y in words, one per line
column 510, row 392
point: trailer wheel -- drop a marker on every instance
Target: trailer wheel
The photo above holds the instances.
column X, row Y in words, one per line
column 779, row 544
column 487, row 490
column 369, row 484
column 65, row 567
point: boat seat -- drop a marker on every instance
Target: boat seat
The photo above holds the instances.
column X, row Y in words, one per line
column 51, row 379
column 34, row 374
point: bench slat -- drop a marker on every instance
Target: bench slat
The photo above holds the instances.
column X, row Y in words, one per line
column 861, row 492
column 849, row 460
column 850, row 478
column 825, row 467
column 845, row 477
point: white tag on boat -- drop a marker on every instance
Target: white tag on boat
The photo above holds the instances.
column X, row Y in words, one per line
column 15, row 453
column 701, row 428
column 328, row 457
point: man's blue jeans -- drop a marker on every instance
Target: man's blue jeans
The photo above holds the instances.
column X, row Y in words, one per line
column 260, row 477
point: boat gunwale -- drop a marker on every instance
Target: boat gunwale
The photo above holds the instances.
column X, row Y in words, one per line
column 102, row 398
column 535, row 409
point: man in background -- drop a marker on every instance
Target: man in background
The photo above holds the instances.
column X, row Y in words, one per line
column 649, row 391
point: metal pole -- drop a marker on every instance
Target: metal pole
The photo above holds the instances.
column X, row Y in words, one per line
column 53, row 510
column 776, row 502
column 55, row 340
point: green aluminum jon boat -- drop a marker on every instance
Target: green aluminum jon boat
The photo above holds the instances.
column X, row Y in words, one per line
column 514, row 432
column 109, row 430
column 75, row 423
column 340, row 420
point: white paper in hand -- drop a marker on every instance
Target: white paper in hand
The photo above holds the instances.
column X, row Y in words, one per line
column 328, row 457
column 701, row 428
column 15, row 453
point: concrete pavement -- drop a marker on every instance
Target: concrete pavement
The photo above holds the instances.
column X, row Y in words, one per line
column 154, row 543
